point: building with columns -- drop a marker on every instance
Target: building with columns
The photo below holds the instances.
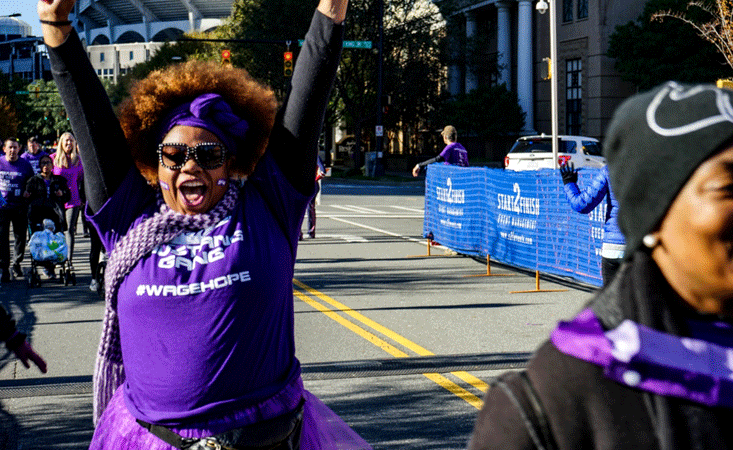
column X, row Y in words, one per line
column 515, row 36
column 122, row 33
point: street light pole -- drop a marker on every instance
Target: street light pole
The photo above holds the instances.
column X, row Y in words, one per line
column 379, row 130
column 542, row 6
column 553, row 78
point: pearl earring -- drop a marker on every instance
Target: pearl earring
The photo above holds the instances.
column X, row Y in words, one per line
column 650, row 240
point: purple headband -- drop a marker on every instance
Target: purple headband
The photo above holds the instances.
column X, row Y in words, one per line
column 210, row 112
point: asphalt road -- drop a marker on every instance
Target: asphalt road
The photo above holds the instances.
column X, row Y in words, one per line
column 399, row 344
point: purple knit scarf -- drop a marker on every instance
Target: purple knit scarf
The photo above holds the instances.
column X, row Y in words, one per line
column 162, row 227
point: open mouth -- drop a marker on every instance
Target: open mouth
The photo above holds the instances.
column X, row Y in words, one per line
column 192, row 193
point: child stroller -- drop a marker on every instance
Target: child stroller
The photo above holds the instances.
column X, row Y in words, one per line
column 48, row 248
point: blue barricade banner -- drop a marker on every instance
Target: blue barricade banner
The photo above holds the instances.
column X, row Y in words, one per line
column 455, row 197
column 519, row 218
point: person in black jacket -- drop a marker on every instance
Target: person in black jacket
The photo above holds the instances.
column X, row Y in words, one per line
column 647, row 364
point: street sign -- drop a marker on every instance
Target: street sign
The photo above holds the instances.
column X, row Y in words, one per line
column 350, row 44
column 358, row 44
column 21, row 92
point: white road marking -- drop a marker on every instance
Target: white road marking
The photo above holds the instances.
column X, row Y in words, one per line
column 343, row 237
column 359, row 209
column 378, row 230
column 404, row 208
column 368, row 216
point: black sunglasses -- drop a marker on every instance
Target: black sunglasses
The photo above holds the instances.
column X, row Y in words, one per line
column 208, row 155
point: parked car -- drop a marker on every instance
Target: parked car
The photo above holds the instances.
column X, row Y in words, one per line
column 535, row 152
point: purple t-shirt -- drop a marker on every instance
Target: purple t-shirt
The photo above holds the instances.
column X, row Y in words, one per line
column 13, row 177
column 33, row 159
column 72, row 175
column 455, row 154
column 206, row 321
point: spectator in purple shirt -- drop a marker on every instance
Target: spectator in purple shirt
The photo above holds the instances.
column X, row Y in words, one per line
column 14, row 173
column 33, row 153
column 453, row 153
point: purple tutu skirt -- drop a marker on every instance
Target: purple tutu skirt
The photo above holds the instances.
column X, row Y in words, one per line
column 322, row 429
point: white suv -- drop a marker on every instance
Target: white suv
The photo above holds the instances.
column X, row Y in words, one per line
column 535, row 152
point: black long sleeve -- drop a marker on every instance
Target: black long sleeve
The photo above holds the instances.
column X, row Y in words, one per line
column 102, row 145
column 294, row 141
column 438, row 158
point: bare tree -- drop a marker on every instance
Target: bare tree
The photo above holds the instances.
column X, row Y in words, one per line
column 713, row 24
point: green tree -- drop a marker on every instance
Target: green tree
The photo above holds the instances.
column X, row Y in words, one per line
column 412, row 68
column 488, row 112
column 650, row 52
column 45, row 114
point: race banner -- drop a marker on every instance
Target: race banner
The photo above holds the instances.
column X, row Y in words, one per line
column 455, row 197
column 518, row 218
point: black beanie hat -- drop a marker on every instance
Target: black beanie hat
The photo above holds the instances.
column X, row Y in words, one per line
column 655, row 142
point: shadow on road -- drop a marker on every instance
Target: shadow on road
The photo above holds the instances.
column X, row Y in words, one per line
column 424, row 424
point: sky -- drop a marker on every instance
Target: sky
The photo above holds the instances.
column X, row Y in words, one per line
column 27, row 9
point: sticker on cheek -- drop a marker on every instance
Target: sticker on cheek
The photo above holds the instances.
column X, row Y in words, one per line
column 164, row 185
column 221, row 182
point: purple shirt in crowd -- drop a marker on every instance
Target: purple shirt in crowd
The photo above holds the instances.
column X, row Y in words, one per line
column 455, row 154
column 206, row 320
column 13, row 177
column 33, row 159
column 72, row 174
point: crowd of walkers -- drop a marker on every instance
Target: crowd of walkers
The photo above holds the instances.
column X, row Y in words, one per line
column 37, row 183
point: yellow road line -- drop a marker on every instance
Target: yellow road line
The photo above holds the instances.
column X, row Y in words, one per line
column 391, row 349
column 453, row 388
column 438, row 379
column 478, row 383
column 366, row 321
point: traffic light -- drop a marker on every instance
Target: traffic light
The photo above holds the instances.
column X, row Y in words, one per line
column 226, row 57
column 288, row 64
column 548, row 74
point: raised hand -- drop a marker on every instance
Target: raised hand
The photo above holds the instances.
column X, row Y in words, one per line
column 54, row 16
column 568, row 173
column 335, row 9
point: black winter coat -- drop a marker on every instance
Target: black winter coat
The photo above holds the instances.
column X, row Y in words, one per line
column 561, row 402
column 45, row 204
